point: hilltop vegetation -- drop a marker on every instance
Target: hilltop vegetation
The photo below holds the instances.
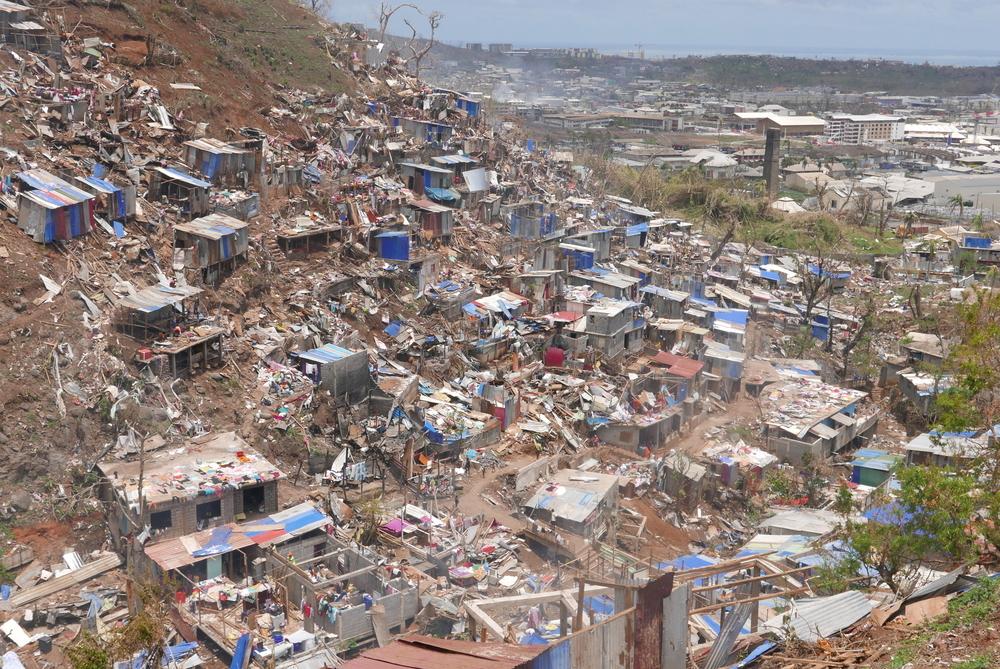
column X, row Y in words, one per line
column 896, row 77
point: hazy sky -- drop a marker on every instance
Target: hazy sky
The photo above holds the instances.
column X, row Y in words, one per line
column 909, row 26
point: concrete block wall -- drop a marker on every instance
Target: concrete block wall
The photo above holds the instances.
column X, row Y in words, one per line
column 354, row 623
column 184, row 515
column 304, row 549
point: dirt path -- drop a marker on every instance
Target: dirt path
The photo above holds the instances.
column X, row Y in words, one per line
column 741, row 411
column 472, row 501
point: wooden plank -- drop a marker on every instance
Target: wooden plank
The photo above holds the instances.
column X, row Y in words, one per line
column 720, row 568
column 486, row 621
column 18, row 558
column 926, row 609
column 742, row 581
column 759, row 598
column 382, row 636
column 105, row 563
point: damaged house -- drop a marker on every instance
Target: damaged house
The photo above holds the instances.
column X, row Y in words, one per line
column 808, row 416
column 220, row 163
column 209, row 481
column 579, row 502
column 180, row 189
column 214, row 245
column 341, row 372
column 50, row 209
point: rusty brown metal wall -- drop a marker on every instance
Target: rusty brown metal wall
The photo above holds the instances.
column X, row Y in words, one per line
column 648, row 632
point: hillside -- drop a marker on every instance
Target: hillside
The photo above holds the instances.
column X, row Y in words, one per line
column 247, row 57
column 240, row 52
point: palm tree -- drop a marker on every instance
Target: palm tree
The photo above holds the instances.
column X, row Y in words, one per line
column 977, row 222
column 957, row 202
column 908, row 220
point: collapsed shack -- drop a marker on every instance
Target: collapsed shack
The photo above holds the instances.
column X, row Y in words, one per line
column 435, row 221
column 185, row 353
column 215, row 245
column 155, row 311
column 220, row 163
column 810, row 417
column 341, row 372
column 115, row 203
column 49, row 209
column 354, row 594
column 211, row 480
column 228, row 595
column 580, row 502
column 186, row 192
column 303, row 235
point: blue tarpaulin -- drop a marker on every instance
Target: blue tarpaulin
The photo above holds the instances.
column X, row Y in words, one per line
column 600, row 604
column 441, row 194
column 756, row 653
column 892, row 513
column 818, row 271
column 178, row 652
column 394, row 245
column 739, row 316
column 241, row 652
column 770, row 276
column 218, row 543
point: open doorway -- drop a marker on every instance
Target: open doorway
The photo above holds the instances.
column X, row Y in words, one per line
column 253, row 499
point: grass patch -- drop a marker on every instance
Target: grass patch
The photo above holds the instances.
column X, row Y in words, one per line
column 974, row 606
column 906, row 654
column 978, row 662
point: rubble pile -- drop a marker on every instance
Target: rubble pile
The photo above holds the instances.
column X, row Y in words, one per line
column 391, row 371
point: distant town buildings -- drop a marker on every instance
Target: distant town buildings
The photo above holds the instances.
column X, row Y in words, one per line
column 864, row 128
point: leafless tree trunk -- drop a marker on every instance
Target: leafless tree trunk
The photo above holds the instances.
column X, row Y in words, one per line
column 385, row 13
column 868, row 316
column 433, row 21
column 319, row 7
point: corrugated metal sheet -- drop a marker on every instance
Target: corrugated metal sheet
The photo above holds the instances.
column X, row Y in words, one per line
column 214, row 146
column 648, row 632
column 814, row 619
column 325, row 354
column 604, row 646
column 213, row 226
column 453, row 160
column 155, row 298
column 177, row 175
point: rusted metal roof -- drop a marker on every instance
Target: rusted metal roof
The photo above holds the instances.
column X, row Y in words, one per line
column 679, row 365
column 420, row 652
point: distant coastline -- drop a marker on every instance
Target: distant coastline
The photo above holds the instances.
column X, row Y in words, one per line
column 970, row 58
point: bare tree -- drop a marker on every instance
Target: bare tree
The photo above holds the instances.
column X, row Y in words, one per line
column 866, row 315
column 863, row 206
column 385, row 13
column 433, row 21
column 318, row 7
column 816, row 284
column 888, row 204
column 820, row 189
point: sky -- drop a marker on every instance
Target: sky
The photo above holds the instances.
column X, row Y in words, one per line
column 941, row 30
